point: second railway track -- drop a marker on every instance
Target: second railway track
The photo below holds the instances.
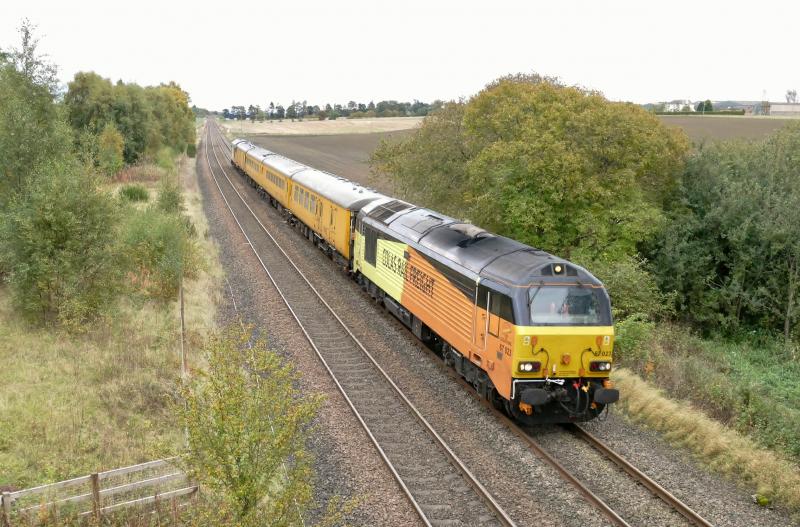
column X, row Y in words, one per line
column 439, row 486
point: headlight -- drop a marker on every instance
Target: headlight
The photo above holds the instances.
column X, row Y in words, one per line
column 529, row 367
column 599, row 366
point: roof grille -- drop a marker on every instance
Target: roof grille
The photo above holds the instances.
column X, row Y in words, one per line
column 388, row 209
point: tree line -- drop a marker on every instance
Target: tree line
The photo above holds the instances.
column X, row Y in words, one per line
column 351, row 110
column 69, row 246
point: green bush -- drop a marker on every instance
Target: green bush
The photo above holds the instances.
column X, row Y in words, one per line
column 158, row 251
column 247, row 427
column 134, row 193
column 165, row 158
column 632, row 288
column 58, row 241
column 633, row 341
column 191, row 150
column 731, row 247
column 170, row 198
column 110, row 146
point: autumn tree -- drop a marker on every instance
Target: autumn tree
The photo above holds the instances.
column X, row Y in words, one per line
column 557, row 167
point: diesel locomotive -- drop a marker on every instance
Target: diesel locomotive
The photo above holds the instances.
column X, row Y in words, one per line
column 531, row 332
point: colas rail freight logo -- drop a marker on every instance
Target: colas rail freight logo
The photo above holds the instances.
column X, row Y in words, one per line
column 411, row 274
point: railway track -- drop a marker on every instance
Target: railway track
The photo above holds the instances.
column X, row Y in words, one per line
column 642, row 478
column 613, row 516
column 436, row 482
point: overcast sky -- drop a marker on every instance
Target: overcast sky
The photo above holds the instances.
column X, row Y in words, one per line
column 251, row 52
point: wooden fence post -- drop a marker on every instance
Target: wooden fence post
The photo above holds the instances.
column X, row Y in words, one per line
column 95, row 479
column 6, row 509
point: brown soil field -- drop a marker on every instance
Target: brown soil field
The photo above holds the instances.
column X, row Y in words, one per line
column 710, row 127
column 311, row 126
column 345, row 155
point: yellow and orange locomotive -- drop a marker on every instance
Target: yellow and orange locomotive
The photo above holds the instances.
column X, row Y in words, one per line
column 531, row 332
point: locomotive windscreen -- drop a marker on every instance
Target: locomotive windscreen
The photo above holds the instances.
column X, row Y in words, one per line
column 569, row 306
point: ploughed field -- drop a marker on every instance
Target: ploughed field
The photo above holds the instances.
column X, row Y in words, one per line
column 345, row 155
column 710, row 127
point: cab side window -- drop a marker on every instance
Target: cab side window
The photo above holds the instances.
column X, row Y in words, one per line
column 370, row 244
column 499, row 308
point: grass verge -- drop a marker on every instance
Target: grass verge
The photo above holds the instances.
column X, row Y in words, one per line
column 71, row 405
column 772, row 476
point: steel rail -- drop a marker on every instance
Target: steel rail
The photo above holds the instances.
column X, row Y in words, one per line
column 639, row 476
column 480, row 490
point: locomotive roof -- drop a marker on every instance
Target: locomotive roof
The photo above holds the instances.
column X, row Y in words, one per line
column 487, row 255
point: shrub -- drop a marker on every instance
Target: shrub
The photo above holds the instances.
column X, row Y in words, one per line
column 58, row 240
column 632, row 288
column 110, row 145
column 165, row 159
column 191, row 150
column 134, row 193
column 633, row 341
column 247, row 428
column 158, row 251
column 170, row 199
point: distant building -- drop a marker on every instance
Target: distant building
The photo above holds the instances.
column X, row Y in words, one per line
column 678, row 105
column 784, row 108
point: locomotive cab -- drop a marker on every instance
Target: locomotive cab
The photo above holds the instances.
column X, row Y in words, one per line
column 563, row 349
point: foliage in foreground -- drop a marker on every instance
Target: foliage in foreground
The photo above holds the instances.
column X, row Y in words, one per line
column 32, row 132
column 247, row 428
